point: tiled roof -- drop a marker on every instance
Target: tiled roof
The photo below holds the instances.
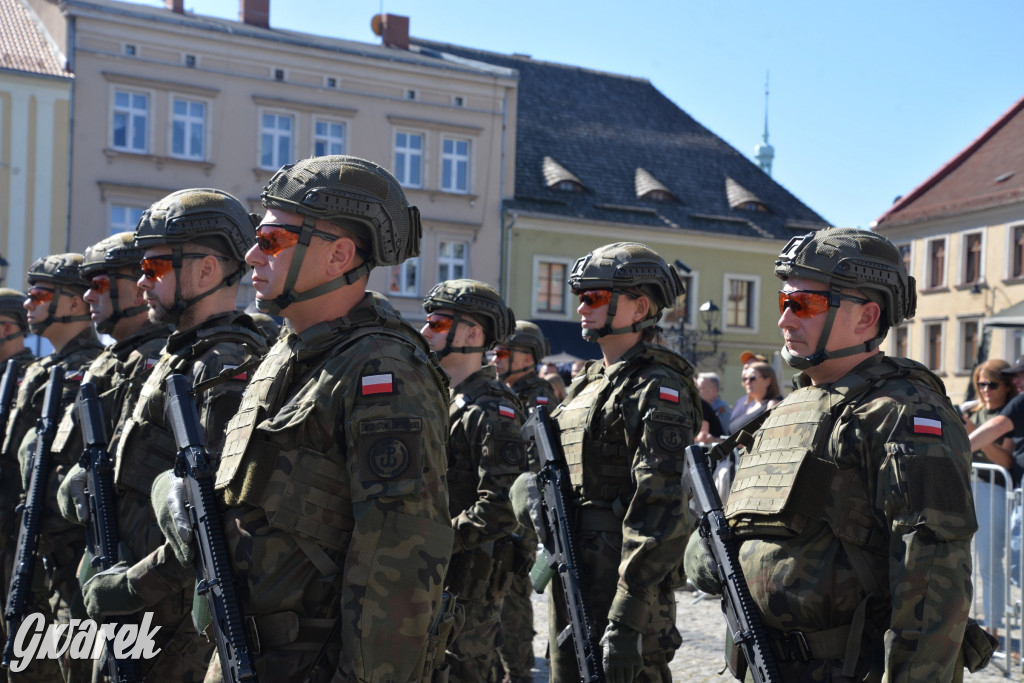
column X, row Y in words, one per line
column 23, row 46
column 604, row 127
column 555, row 173
column 987, row 173
column 646, row 183
column 739, row 195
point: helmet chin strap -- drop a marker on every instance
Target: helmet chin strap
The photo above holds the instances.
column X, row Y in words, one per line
column 820, row 355
column 181, row 304
column 606, row 329
column 450, row 337
column 107, row 325
column 51, row 313
column 14, row 335
column 290, row 295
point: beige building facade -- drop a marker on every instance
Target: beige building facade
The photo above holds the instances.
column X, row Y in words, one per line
column 166, row 99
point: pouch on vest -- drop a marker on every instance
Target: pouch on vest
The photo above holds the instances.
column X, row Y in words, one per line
column 978, row 646
column 445, row 628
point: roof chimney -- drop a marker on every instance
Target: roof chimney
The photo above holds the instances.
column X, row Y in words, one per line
column 177, row 6
column 255, row 12
column 393, row 29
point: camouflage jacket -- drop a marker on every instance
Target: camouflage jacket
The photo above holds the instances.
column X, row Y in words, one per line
column 623, row 429
column 485, row 455
column 858, row 499
column 534, row 390
column 10, row 486
column 337, row 512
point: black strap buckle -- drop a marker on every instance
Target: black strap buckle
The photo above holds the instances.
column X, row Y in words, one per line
column 797, row 649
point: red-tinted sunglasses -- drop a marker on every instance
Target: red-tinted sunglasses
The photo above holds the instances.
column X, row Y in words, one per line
column 807, row 303
column 439, row 322
column 502, row 352
column 100, row 284
column 156, row 267
column 273, row 238
column 40, row 295
column 596, row 298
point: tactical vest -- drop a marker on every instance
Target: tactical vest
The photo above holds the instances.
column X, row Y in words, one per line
column 146, row 445
column 259, row 466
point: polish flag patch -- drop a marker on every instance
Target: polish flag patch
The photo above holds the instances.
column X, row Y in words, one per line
column 150, row 363
column 668, row 394
column 244, row 375
column 924, row 425
column 506, row 411
column 542, row 400
column 377, row 384
column 75, row 376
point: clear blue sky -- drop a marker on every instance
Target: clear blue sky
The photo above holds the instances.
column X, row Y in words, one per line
column 868, row 98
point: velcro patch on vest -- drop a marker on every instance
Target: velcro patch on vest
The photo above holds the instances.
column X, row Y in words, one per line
column 390, row 449
column 668, row 394
column 926, row 425
column 542, row 400
column 506, row 411
column 377, row 384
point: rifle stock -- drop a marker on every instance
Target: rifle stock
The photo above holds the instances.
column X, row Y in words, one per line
column 213, row 569
column 555, row 531
column 20, row 592
column 741, row 615
column 102, row 538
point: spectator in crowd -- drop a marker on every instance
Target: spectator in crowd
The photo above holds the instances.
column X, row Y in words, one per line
column 746, row 358
column 577, row 367
column 708, row 384
column 555, row 380
column 762, row 393
column 994, row 390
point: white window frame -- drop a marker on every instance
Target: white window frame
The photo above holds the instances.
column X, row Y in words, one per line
column 188, row 121
column 755, row 298
column 926, row 285
column 1013, row 342
column 961, row 324
column 925, row 324
column 123, row 218
column 328, row 138
column 910, row 261
column 131, row 113
column 451, row 261
column 452, row 162
column 535, row 311
column 277, row 160
column 906, row 327
column 1010, row 248
column 962, row 266
column 403, row 173
column 401, row 272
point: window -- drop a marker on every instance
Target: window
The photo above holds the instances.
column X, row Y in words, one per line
column 124, row 218
column 410, row 94
column 404, row 279
column 276, row 140
column 905, row 254
column 329, row 138
column 1017, row 344
column 682, row 313
column 968, row 344
column 331, row 82
column 129, row 50
column 190, row 61
column 188, row 129
column 278, row 74
column 739, row 307
column 409, row 159
column 552, row 288
column 972, row 264
column 458, row 101
column 455, row 165
column 1017, row 252
column 451, row 260
column 131, row 120
column 933, row 346
column 936, row 276
column 900, row 341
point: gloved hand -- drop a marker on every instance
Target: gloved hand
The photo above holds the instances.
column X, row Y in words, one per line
column 621, row 653
column 109, row 593
column 71, row 498
column 525, row 497
column 168, row 496
column 700, row 565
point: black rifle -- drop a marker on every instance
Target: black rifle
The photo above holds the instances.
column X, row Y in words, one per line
column 101, row 536
column 213, row 564
column 8, row 388
column 555, row 527
column 741, row 615
column 18, row 597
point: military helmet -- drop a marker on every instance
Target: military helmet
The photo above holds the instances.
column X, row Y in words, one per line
column 529, row 337
column 354, row 193
column 110, row 253
column 475, row 298
column 857, row 259
column 11, row 306
column 60, row 269
column 628, row 265
column 200, row 215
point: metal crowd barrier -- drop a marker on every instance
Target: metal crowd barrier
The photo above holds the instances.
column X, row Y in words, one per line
column 997, row 571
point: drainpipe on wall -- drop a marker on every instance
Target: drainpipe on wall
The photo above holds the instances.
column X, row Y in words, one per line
column 70, row 68
column 503, row 246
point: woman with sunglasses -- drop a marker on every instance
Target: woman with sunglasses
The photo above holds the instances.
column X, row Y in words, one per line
column 994, row 390
column 623, row 427
column 762, row 393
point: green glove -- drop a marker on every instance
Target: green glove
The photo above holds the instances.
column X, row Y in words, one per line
column 109, row 593
column 524, row 497
column 621, row 653
column 700, row 565
column 71, row 498
column 168, row 500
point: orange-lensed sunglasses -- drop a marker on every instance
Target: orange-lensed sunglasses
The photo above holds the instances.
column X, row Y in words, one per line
column 502, row 352
column 40, row 295
column 155, row 267
column 273, row 238
column 596, row 298
column 439, row 322
column 100, row 284
column 807, row 303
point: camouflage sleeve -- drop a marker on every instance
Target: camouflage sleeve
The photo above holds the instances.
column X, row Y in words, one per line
column 393, row 421
column 660, row 419
column 160, row 575
column 923, row 457
column 499, row 450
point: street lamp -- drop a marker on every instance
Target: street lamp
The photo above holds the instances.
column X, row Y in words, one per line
column 707, row 334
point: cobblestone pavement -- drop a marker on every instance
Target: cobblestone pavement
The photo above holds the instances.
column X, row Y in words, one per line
column 700, row 658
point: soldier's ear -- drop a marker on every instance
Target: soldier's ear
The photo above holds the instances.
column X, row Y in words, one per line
column 869, row 317
column 343, row 255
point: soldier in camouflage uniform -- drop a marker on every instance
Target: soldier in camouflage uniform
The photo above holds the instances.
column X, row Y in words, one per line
column 333, row 468
column 485, row 455
column 193, row 243
column 13, row 328
column 623, row 427
column 854, row 497
column 58, row 313
column 515, row 358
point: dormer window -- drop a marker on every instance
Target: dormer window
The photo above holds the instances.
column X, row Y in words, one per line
column 649, row 187
column 567, row 186
column 659, row 196
column 743, row 199
column 558, row 177
column 752, row 206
